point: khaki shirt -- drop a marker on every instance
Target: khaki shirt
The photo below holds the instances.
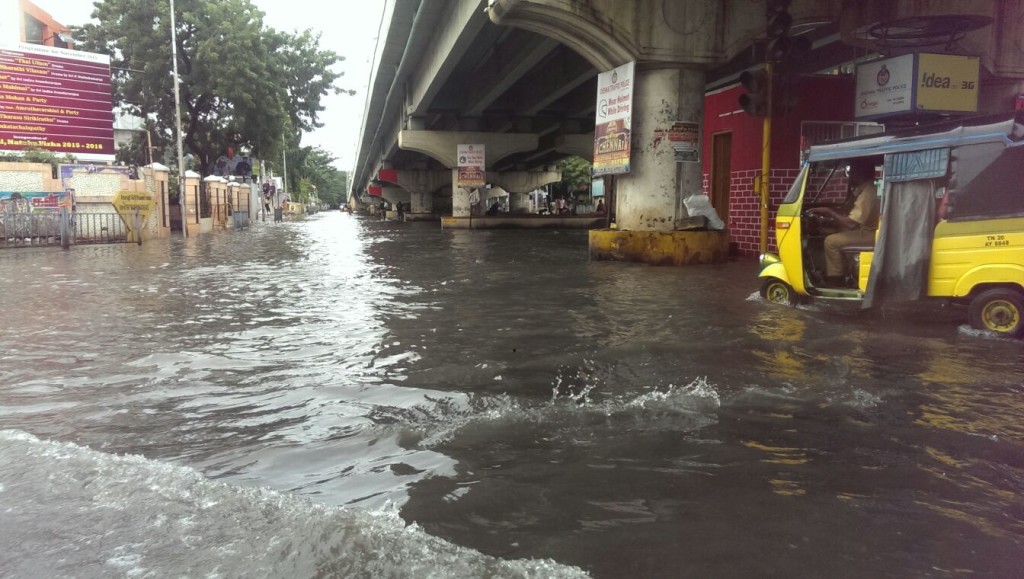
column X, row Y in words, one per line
column 866, row 207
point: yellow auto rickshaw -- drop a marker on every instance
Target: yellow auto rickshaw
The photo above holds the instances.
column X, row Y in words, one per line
column 951, row 223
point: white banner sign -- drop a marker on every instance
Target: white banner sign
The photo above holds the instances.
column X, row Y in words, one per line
column 472, row 166
column 613, row 120
column 885, row 87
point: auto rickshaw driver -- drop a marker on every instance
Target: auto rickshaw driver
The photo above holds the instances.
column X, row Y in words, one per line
column 856, row 228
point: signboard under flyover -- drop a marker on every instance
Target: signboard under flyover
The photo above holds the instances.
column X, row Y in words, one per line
column 614, row 120
column 472, row 171
column 917, row 82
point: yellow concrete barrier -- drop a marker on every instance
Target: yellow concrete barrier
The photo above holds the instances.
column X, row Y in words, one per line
column 659, row 248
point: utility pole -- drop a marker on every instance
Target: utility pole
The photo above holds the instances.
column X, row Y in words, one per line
column 766, row 156
column 177, row 116
column 284, row 163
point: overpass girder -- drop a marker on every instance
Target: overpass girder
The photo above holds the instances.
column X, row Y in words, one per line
column 522, row 181
column 442, row 145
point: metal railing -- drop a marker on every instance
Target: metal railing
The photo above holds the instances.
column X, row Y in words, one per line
column 98, row 228
column 29, row 229
column 205, row 202
column 43, row 229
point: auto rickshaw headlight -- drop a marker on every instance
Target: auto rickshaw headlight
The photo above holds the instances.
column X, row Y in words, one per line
column 767, row 259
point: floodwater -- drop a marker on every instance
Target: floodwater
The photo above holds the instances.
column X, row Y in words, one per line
column 345, row 397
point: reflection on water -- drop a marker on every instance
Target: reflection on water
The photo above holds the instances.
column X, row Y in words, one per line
column 510, row 397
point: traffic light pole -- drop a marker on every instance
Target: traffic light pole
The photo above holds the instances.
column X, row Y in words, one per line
column 766, row 156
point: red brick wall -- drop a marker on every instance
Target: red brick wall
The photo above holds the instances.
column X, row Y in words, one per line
column 832, row 101
column 722, row 113
column 744, row 218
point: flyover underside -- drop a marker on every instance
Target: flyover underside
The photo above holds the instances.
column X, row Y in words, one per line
column 520, row 77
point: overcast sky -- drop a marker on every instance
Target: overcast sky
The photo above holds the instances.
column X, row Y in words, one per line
column 348, row 28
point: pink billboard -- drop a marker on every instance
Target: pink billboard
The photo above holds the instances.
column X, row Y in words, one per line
column 55, row 99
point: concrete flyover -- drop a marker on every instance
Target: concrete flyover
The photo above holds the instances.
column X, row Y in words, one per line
column 520, row 76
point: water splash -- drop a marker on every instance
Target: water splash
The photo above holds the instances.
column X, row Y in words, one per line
column 686, row 407
column 697, row 396
column 86, row 513
column 966, row 330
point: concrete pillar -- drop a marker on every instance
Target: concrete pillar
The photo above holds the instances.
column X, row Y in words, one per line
column 519, row 202
column 216, row 187
column 460, row 197
column 421, row 186
column 240, row 201
column 649, row 198
column 157, row 176
column 395, row 195
column 421, row 202
column 191, row 216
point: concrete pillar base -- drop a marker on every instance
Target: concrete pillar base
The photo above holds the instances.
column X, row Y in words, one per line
column 524, row 222
column 519, row 203
column 421, row 217
column 659, row 247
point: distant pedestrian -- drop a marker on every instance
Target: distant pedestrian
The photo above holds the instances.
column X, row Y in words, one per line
column 383, row 210
column 227, row 163
column 401, row 211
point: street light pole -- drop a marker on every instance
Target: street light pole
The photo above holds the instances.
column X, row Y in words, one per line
column 177, row 115
column 284, row 163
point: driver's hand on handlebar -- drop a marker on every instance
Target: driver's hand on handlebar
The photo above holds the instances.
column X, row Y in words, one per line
column 822, row 211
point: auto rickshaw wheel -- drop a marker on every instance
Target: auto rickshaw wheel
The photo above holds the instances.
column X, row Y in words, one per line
column 999, row 310
column 777, row 291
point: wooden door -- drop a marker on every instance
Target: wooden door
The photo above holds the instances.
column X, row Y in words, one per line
column 721, row 173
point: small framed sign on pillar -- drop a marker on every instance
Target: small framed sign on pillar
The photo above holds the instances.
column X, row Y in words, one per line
column 472, row 166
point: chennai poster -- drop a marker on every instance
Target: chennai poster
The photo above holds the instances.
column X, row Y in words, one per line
column 613, row 122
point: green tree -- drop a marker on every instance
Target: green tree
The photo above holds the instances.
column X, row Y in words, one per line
column 575, row 172
column 241, row 83
column 34, row 155
column 314, row 167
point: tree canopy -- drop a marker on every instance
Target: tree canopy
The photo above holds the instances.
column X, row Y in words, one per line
column 576, row 171
column 312, row 167
column 242, row 83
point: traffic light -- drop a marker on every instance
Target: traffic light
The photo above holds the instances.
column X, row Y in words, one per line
column 780, row 45
column 777, row 23
column 755, row 101
column 778, row 19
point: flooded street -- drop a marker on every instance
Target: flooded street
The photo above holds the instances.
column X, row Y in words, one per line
column 285, row 400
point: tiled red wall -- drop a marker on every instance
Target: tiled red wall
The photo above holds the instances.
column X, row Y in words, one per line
column 833, row 100
column 744, row 218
